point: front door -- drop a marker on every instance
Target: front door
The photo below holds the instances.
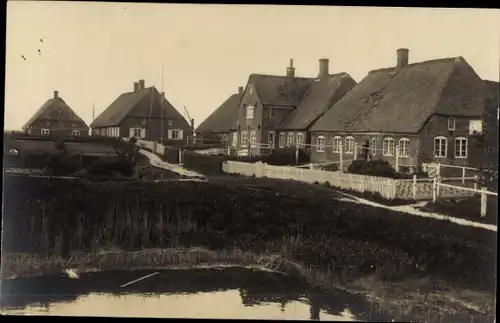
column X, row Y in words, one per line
column 271, row 139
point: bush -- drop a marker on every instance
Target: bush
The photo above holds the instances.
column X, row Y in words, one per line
column 204, row 164
column 380, row 168
column 278, row 157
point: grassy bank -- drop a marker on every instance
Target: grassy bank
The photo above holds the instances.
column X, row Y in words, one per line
column 305, row 224
column 454, row 306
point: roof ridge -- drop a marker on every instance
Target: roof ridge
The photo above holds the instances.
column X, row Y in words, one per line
column 282, row 76
column 448, row 59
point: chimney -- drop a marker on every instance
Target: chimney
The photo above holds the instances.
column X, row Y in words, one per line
column 402, row 54
column 240, row 89
column 290, row 70
column 323, row 67
column 141, row 85
column 136, row 86
column 56, row 94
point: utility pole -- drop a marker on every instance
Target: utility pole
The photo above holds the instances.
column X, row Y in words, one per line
column 93, row 116
column 162, row 98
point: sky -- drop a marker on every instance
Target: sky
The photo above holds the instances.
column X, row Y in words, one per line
column 94, row 51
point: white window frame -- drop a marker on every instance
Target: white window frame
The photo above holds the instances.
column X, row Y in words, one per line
column 462, row 151
column 170, row 122
column 451, row 126
column 271, row 138
column 175, row 134
column 320, row 144
column 290, row 138
column 250, row 89
column 445, row 153
column 137, row 132
column 337, row 144
column 300, row 139
column 235, row 139
column 272, row 113
column 282, row 140
column 374, row 146
column 250, row 112
column 388, row 146
column 143, row 121
column 75, row 133
column 349, row 145
column 45, row 132
column 244, row 138
column 472, row 127
column 404, row 147
column 253, row 139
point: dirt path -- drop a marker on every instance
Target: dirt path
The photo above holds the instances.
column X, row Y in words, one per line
column 155, row 160
column 410, row 209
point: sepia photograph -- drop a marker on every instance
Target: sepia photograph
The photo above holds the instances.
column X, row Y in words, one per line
column 266, row 162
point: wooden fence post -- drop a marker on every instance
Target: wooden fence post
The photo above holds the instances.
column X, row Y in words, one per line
column 463, row 175
column 397, row 158
column 341, row 168
column 355, row 151
column 484, row 200
column 311, row 166
column 296, row 153
column 434, row 188
column 475, row 181
column 414, row 186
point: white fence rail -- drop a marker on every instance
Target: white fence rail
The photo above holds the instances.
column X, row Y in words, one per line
column 361, row 183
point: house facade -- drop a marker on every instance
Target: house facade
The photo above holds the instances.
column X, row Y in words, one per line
column 425, row 112
column 221, row 124
column 277, row 111
column 55, row 118
column 143, row 114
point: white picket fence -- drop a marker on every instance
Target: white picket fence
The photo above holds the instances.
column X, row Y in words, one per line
column 386, row 187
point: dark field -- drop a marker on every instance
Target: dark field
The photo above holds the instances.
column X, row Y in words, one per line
column 258, row 215
column 72, row 147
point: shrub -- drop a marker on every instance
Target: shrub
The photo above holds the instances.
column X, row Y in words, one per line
column 379, row 168
column 205, row 164
column 278, row 157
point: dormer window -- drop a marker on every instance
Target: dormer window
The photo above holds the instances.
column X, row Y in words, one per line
column 451, row 123
column 250, row 112
column 143, row 120
column 272, row 113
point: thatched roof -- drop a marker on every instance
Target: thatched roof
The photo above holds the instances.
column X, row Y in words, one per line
column 223, row 119
column 401, row 100
column 280, row 90
column 54, row 109
column 321, row 96
column 126, row 102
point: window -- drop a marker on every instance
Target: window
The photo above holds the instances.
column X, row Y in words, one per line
column 75, row 133
column 235, row 139
column 253, row 139
column 169, row 122
column 270, row 139
column 103, row 131
column 250, row 112
column 137, row 132
column 451, row 123
column 175, row 134
column 460, row 147
column 404, row 147
column 388, row 147
column 440, row 147
column 45, row 132
column 337, row 144
column 290, row 140
column 282, row 140
column 349, row 145
column 244, row 138
column 320, row 144
column 272, row 113
column 300, row 140
column 374, row 146
column 250, row 87
column 73, row 125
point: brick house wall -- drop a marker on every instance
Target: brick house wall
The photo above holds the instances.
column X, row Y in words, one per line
column 437, row 125
column 58, row 128
column 360, row 139
column 250, row 98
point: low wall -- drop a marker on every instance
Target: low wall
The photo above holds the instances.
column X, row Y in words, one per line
column 424, row 190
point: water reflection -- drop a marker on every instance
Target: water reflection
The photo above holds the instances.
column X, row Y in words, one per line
column 201, row 293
